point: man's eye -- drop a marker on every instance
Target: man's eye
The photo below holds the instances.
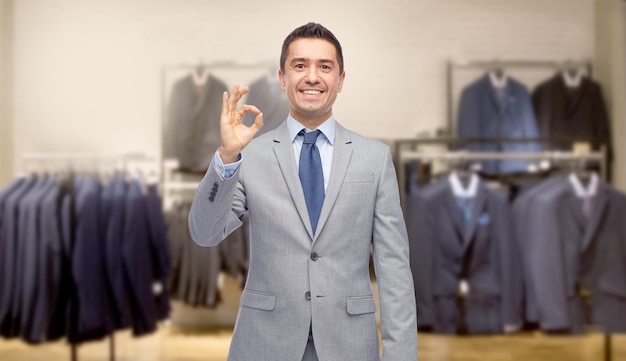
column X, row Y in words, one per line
column 299, row 66
column 326, row 67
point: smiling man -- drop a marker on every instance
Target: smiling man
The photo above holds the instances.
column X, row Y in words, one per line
column 320, row 201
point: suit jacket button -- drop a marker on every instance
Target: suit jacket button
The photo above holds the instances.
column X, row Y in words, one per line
column 314, row 256
column 307, row 295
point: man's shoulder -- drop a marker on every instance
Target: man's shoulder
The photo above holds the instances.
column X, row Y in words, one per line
column 359, row 139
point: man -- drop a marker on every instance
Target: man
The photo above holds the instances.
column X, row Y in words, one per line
column 308, row 294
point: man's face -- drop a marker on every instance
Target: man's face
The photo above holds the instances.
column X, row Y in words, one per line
column 311, row 79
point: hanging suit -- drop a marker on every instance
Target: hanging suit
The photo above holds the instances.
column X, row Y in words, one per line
column 88, row 262
column 137, row 265
column 192, row 129
column 267, row 95
column 160, row 255
column 444, row 251
column 8, row 197
column 570, row 253
column 522, row 209
column 50, row 295
column 578, row 114
column 30, row 260
column 485, row 113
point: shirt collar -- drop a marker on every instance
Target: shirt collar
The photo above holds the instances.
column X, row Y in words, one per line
column 457, row 187
column 327, row 128
column 579, row 188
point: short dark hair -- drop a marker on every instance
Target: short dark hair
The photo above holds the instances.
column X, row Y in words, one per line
column 311, row 30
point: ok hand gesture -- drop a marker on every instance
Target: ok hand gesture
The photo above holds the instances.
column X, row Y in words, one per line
column 236, row 135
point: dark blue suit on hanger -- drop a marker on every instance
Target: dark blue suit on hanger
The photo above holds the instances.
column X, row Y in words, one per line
column 445, row 252
column 487, row 112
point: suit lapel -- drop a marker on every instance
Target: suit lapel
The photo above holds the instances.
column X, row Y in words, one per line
column 600, row 203
column 576, row 98
column 575, row 208
column 342, row 154
column 454, row 211
column 283, row 149
column 477, row 210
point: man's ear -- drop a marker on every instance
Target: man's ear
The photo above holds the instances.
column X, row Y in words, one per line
column 340, row 85
column 281, row 77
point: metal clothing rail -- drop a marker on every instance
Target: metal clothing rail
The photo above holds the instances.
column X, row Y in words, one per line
column 452, row 65
column 76, row 161
column 405, row 156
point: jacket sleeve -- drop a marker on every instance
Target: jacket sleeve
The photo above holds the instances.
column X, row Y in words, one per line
column 421, row 245
column 398, row 318
column 217, row 208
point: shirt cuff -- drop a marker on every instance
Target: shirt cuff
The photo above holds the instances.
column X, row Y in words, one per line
column 225, row 170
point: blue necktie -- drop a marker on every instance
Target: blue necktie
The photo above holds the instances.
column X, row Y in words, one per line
column 311, row 176
column 465, row 206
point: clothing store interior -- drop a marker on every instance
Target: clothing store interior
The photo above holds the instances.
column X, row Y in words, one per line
column 506, row 121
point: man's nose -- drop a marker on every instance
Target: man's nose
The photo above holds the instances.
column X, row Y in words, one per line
column 312, row 75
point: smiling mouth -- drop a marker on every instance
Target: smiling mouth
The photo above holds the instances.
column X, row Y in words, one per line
column 312, row 92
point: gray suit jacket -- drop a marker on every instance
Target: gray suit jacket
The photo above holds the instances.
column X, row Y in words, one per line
column 298, row 280
column 570, row 253
column 522, row 209
column 192, row 129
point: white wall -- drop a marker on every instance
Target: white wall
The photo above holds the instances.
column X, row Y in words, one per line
column 6, row 139
column 610, row 45
column 87, row 73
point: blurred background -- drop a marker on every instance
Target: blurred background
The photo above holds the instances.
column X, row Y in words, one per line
column 89, row 84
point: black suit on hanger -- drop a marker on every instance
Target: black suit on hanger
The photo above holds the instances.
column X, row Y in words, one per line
column 578, row 114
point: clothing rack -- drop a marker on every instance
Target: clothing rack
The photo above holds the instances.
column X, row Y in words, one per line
column 454, row 65
column 74, row 162
column 409, row 155
column 128, row 162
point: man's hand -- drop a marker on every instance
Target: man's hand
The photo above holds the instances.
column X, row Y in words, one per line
column 236, row 135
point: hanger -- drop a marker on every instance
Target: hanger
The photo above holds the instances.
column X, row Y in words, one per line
column 584, row 169
column 200, row 73
column 573, row 72
column 497, row 74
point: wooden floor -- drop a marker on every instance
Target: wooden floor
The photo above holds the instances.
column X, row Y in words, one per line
column 187, row 338
column 170, row 344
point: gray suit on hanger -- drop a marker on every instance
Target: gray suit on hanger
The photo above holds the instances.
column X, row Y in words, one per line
column 192, row 130
column 298, row 280
column 570, row 253
column 522, row 211
column 267, row 95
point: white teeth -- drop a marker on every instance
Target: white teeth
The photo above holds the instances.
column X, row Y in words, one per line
column 312, row 92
